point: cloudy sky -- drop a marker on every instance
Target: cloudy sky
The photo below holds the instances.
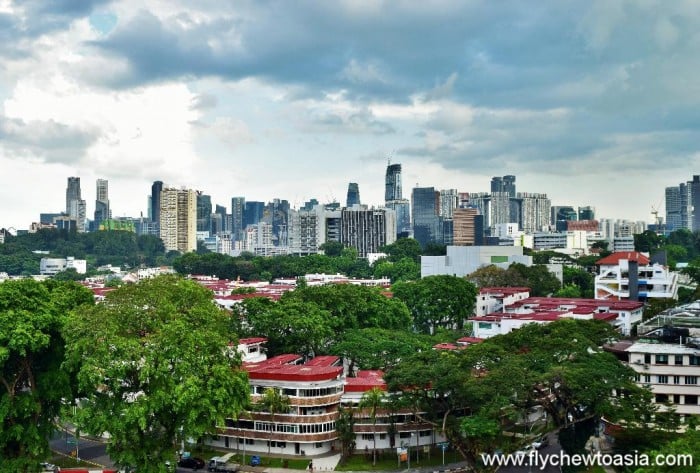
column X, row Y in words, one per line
column 592, row 102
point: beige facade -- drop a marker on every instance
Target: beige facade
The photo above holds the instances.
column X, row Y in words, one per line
column 178, row 219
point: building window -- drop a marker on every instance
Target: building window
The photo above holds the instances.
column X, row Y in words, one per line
column 382, row 436
column 319, row 444
column 647, row 358
column 692, row 400
column 679, row 359
column 661, row 359
column 661, row 398
column 647, row 378
column 405, row 435
column 367, row 437
column 485, row 325
column 424, row 433
column 694, row 360
column 691, row 380
column 676, row 380
column 676, row 398
column 637, row 377
column 662, row 379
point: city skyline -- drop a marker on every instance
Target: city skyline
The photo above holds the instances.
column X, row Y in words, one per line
column 587, row 102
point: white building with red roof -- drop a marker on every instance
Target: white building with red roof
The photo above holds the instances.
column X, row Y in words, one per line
column 316, row 389
column 621, row 314
column 494, row 299
column 631, row 275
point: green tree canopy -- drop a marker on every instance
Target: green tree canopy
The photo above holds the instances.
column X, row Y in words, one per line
column 437, row 301
column 352, row 306
column 153, row 365
column 32, row 382
column 403, row 248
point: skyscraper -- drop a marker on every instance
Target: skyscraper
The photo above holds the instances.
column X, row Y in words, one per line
column 427, row 228
column 156, row 189
column 353, row 197
column 178, row 219
column 102, row 211
column 392, row 186
column 393, row 199
column 679, row 211
column 203, row 212
column 75, row 205
column 253, row 213
column 503, row 184
column 367, row 230
column 468, row 227
column 237, row 211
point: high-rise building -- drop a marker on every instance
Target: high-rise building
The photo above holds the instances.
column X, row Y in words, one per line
column 178, row 219
column 467, row 227
column 203, row 212
column 276, row 213
column 156, row 189
column 427, row 226
column 102, row 211
column 75, row 205
column 560, row 215
column 353, row 197
column 367, row 230
column 679, row 210
column 253, row 213
column 533, row 211
column 586, row 213
column 503, row 184
column 694, row 186
column 237, row 223
column 392, row 186
column 449, row 200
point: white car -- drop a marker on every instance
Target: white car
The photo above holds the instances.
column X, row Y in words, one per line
column 49, row 467
column 525, row 451
column 540, row 442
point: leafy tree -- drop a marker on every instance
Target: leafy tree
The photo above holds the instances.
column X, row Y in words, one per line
column 354, row 306
column 493, row 276
column 274, row 402
column 372, row 401
column 345, row 427
column 435, row 249
column 378, row 349
column 437, row 301
column 332, row 248
column 152, row 366
column 537, row 277
column 32, row 382
column 648, row 241
column 687, row 444
column 403, row 248
column 70, row 274
column 568, row 290
column 292, row 326
column 580, row 278
column 403, row 270
column 601, row 245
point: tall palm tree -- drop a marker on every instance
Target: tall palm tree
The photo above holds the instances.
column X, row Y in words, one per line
column 274, row 402
column 372, row 400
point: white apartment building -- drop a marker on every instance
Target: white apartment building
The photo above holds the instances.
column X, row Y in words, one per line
column 178, row 219
column 615, row 275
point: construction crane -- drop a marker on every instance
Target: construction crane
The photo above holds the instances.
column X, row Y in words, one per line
column 655, row 213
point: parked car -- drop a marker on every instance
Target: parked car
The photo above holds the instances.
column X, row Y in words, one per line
column 255, row 460
column 541, row 442
column 525, row 451
column 49, row 467
column 191, row 462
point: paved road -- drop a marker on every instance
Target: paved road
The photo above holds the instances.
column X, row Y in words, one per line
column 552, row 449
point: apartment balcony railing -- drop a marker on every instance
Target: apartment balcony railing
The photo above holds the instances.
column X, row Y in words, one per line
column 382, row 428
column 294, row 419
column 278, row 436
column 307, row 401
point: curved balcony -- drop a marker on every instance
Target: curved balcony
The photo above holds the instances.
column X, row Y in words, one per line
column 294, row 419
column 307, row 401
column 382, row 428
column 278, row 436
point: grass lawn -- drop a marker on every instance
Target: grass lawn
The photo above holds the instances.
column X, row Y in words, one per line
column 388, row 461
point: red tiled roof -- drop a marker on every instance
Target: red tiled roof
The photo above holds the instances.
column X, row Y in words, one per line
column 323, row 361
column 282, row 368
column 470, row 340
column 252, row 340
column 365, row 381
column 614, row 259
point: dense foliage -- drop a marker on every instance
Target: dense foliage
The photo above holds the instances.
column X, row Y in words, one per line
column 473, row 394
column 152, row 368
column 536, row 277
column 99, row 248
column 32, row 383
